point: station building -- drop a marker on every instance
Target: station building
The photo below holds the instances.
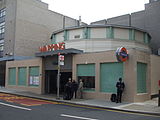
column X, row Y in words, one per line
column 90, row 54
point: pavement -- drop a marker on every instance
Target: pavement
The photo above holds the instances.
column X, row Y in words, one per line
column 148, row 107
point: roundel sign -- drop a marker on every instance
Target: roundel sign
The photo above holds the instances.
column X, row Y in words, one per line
column 121, row 54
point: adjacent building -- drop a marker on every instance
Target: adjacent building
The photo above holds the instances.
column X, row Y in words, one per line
column 147, row 19
column 24, row 26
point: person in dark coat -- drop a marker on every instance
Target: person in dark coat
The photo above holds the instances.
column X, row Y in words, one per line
column 120, row 87
column 74, row 88
column 68, row 90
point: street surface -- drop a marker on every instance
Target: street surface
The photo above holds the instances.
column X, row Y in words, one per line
column 23, row 108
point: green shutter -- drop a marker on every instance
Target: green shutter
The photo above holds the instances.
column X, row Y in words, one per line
column 141, row 77
column 131, row 34
column 146, row 38
column 34, row 79
column 86, row 70
column 12, row 76
column 66, row 35
column 53, row 40
column 86, row 33
column 22, row 76
column 110, row 32
column 34, row 71
column 109, row 75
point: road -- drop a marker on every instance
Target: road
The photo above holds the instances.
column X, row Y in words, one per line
column 22, row 108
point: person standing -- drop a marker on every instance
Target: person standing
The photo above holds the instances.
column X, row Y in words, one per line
column 80, row 87
column 74, row 88
column 68, row 90
column 120, row 88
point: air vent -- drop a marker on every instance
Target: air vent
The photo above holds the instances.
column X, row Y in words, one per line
column 77, row 36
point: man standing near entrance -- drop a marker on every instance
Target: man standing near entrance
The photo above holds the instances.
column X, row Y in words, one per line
column 74, row 88
column 68, row 90
column 120, row 87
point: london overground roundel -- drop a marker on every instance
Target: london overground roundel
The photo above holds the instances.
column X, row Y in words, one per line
column 121, row 54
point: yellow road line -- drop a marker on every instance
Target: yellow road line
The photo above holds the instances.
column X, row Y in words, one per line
column 43, row 100
column 124, row 112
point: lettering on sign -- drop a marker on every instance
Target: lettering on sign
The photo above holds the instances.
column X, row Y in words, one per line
column 121, row 54
column 52, row 47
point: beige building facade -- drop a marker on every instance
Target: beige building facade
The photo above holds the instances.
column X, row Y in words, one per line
column 26, row 68
column 90, row 55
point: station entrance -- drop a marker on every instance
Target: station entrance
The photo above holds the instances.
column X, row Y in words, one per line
column 51, row 81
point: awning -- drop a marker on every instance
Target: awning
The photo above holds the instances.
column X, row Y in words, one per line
column 11, row 58
column 6, row 58
column 65, row 51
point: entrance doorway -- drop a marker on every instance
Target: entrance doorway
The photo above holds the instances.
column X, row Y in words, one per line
column 51, row 81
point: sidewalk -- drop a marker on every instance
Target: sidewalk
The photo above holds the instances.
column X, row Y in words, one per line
column 149, row 107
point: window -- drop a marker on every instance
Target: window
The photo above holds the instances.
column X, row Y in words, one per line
column 86, row 72
column 34, row 76
column 2, row 12
column 1, row 47
column 12, row 76
column 22, row 76
column 141, row 77
column 109, row 75
column 88, row 82
column 2, row 27
column 2, row 23
column 77, row 36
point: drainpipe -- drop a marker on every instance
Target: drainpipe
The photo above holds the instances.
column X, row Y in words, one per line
column 64, row 19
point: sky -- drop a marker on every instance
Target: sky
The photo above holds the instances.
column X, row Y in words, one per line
column 95, row 10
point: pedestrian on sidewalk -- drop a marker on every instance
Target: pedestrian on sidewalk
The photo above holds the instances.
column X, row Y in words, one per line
column 74, row 88
column 80, row 88
column 120, row 88
column 68, row 90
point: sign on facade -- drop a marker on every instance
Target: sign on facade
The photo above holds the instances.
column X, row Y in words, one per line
column 61, row 59
column 52, row 47
column 121, row 54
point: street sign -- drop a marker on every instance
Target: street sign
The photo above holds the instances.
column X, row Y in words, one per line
column 61, row 59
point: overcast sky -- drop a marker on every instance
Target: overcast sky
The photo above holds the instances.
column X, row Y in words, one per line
column 94, row 10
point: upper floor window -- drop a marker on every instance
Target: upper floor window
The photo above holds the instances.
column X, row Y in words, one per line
column 1, row 47
column 2, row 12
column 2, row 27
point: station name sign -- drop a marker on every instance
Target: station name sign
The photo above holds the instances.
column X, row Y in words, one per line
column 52, row 47
column 121, row 54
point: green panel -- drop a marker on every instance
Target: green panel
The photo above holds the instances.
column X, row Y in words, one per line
column 109, row 75
column 89, row 33
column 86, row 33
column 131, row 34
column 53, row 39
column 34, row 76
column 22, row 76
column 12, row 76
column 146, row 38
column 66, row 35
column 86, row 70
column 141, row 77
column 110, row 32
column 34, row 71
